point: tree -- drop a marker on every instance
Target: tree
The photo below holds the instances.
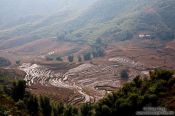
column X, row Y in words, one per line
column 18, row 90
column 165, row 35
column 59, row 59
column 161, row 74
column 18, row 62
column 98, row 52
column 32, row 105
column 124, row 74
column 62, row 36
column 79, row 59
column 103, row 110
column 45, row 105
column 86, row 110
column 58, row 109
column 49, row 59
column 4, row 62
column 137, row 81
column 70, row 111
column 87, row 56
column 71, row 58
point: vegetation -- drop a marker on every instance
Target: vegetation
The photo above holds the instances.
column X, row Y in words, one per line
column 70, row 58
column 87, row 56
column 126, row 101
column 18, row 62
column 124, row 74
column 134, row 96
column 98, row 53
column 120, row 19
column 32, row 105
column 79, row 59
column 45, row 105
column 49, row 59
column 4, row 62
column 18, row 90
column 59, row 59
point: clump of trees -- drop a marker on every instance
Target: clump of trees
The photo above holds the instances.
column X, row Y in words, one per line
column 98, row 53
column 4, row 62
column 79, row 59
column 63, row 36
column 45, row 105
column 137, row 94
column 124, row 74
column 18, row 62
column 87, row 56
column 59, row 59
column 123, row 35
column 94, row 54
column 18, row 90
column 70, row 58
column 165, row 35
column 32, row 105
column 49, row 59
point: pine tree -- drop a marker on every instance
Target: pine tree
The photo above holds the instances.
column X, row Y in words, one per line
column 45, row 105
column 71, row 58
column 18, row 90
column 33, row 106
column 86, row 110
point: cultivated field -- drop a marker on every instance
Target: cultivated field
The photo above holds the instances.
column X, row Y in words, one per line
column 86, row 81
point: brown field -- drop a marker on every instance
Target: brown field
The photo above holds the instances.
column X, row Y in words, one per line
column 91, row 80
column 39, row 49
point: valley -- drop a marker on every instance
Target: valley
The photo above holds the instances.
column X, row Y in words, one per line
column 87, row 81
column 86, row 58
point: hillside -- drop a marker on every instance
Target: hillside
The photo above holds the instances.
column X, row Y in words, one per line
column 117, row 19
column 30, row 17
column 86, row 58
column 124, row 19
column 128, row 100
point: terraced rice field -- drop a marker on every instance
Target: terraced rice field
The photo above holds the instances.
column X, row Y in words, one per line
column 88, row 82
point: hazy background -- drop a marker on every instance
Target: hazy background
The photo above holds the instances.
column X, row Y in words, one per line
column 86, row 20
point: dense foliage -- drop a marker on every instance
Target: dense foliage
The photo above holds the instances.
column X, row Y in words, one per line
column 136, row 95
column 4, row 62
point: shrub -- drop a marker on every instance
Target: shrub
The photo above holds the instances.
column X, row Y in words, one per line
column 71, row 58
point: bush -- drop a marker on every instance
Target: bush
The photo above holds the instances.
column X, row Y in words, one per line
column 18, row 62
column 124, row 74
column 71, row 58
column 86, row 110
column 59, row 59
column 87, row 56
column 79, row 59
column 4, row 62
column 161, row 74
column 49, row 59
column 33, row 105
column 45, row 105
column 18, row 90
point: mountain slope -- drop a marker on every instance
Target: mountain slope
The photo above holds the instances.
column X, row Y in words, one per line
column 155, row 17
column 116, row 19
column 20, row 15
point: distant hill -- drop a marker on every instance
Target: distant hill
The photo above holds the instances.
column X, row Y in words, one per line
column 122, row 19
column 85, row 20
